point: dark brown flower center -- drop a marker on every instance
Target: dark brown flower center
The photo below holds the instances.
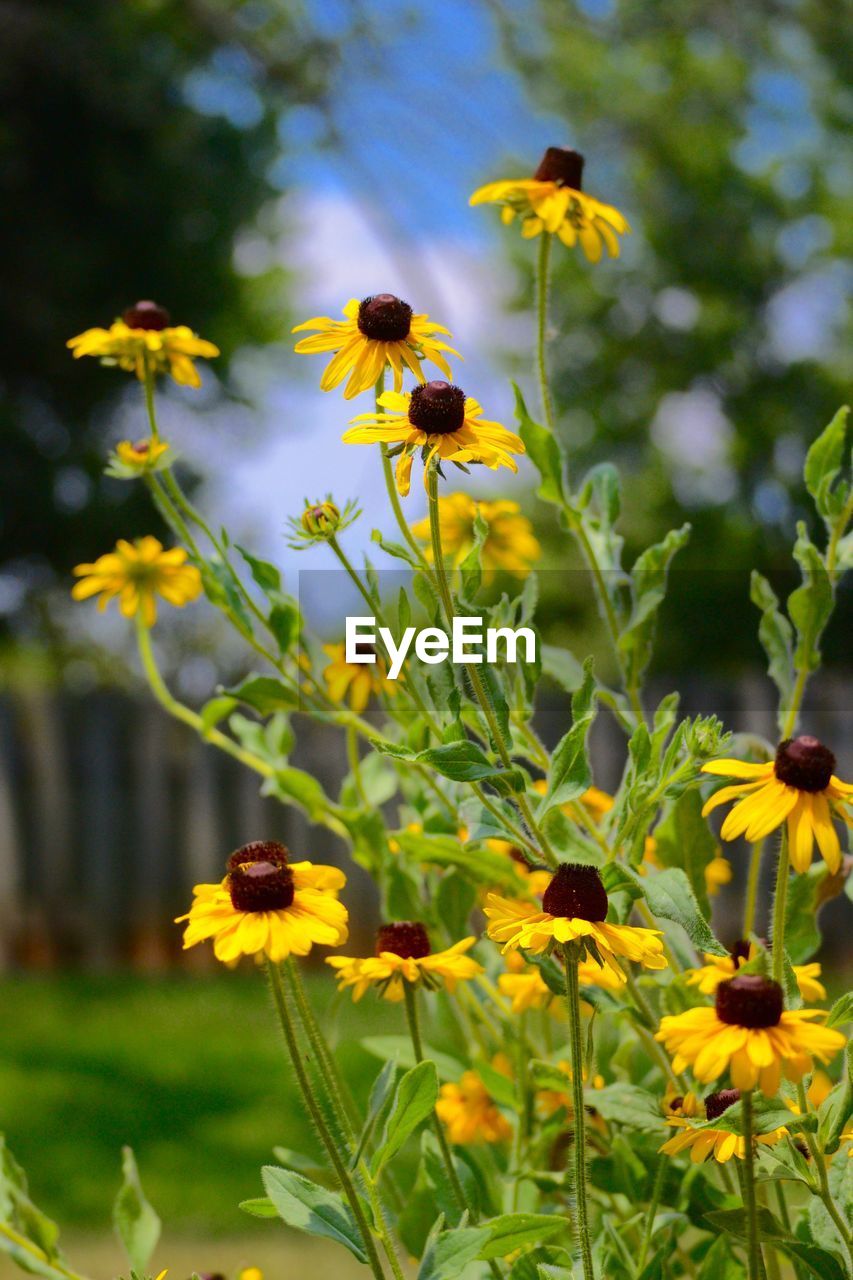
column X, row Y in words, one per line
column 749, row 1000
column 717, row 1103
column 407, row 939
column 437, row 408
column 384, row 317
column 804, row 763
column 261, row 886
column 740, row 952
column 146, row 315
column 364, row 648
column 576, row 892
column 259, row 851
column 561, row 165
column 677, row 1102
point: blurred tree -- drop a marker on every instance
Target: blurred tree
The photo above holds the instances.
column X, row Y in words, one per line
column 718, row 129
column 113, row 186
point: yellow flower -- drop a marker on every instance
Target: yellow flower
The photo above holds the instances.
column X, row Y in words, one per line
column 552, row 201
column 135, row 572
column 442, row 421
column 749, row 1032
column 251, row 1273
column 403, row 955
column 143, row 455
column 549, row 1101
column 355, row 681
column 718, row 871
column 468, row 1112
column 145, row 340
column 799, row 787
column 574, row 910
column 703, row 1143
column 378, row 332
column 717, row 969
column 268, row 906
column 525, row 987
column 509, row 545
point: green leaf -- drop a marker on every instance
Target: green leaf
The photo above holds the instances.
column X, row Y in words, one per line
column 301, row 788
column 543, row 451
column 285, row 622
column 809, row 606
column 266, row 575
column 684, row 840
column 217, row 709
column 802, row 935
column 304, row 1205
column 842, row 1011
column 260, row 1207
column 670, row 896
column 815, row 1261
column 628, row 1105
column 448, row 1253
column 777, row 640
column 265, row 694
column 465, row 761
column 483, row 865
column 720, row 1264
column 648, row 589
column 513, row 1231
column 570, row 772
column 454, row 903
column 136, row 1223
column 824, row 461
column 413, row 1101
column 562, row 666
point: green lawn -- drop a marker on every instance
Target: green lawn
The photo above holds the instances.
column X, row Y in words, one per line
column 190, row 1071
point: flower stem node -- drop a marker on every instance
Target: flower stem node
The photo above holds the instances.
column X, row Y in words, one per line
column 147, row 315
column 576, row 892
column 750, row 1001
column 717, row 1103
column 437, row 408
column 405, row 938
column 384, row 317
column 804, row 763
column 561, row 165
column 261, row 886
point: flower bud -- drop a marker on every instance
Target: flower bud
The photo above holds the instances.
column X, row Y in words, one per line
column 320, row 520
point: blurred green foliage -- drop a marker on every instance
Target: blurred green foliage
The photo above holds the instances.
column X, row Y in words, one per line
column 113, row 187
column 718, row 129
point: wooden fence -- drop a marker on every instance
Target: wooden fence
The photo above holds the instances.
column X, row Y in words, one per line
column 110, row 812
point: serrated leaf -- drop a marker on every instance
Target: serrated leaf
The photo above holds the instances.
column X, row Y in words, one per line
column 304, row 1205
column 671, row 897
column 136, row 1223
column 413, row 1102
column 824, row 461
column 570, row 773
column 810, row 605
column 448, row 1253
column 513, row 1231
column 543, row 451
column 464, row 761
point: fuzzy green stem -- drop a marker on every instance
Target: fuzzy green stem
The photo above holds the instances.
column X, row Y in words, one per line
column 780, row 899
column 520, row 800
column 657, row 1188
column 753, row 1244
column 753, row 877
column 319, row 1121
column 576, row 1044
column 342, row 1099
column 796, row 700
column 148, row 384
column 824, row 1190
column 391, row 488
column 413, row 1019
column 543, row 264
column 187, row 716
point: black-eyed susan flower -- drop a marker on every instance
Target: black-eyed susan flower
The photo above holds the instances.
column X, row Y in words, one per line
column 440, row 420
column 404, row 955
column 377, row 333
column 130, row 460
column 798, row 787
column 552, row 201
column 703, row 1142
column 749, row 1033
column 574, row 909
column 355, row 682
column 716, row 969
column 145, row 342
column 468, row 1112
column 509, row 546
column 136, row 572
column 268, row 906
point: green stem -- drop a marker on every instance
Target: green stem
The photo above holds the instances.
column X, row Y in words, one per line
column 753, row 1246
column 824, row 1190
column 780, row 899
column 342, row 1099
column 391, row 487
column 413, row 1019
column 796, row 699
column 148, row 384
column 657, row 1188
column 752, row 880
column 184, row 714
column 520, row 800
column 576, row 1044
column 36, row 1259
column 319, row 1121
column 543, row 264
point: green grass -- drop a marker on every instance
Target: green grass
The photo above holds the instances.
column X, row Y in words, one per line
column 190, row 1071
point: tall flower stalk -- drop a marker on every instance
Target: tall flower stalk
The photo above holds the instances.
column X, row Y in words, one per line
column 571, row 956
